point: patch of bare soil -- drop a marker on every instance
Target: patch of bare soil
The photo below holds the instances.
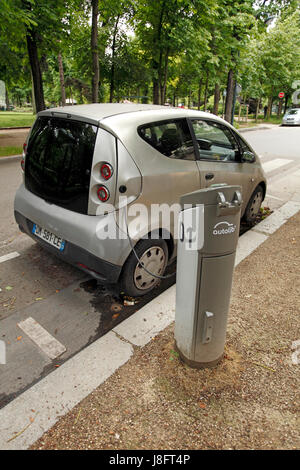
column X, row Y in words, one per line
column 249, row 401
column 13, row 137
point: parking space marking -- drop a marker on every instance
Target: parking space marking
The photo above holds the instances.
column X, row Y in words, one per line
column 46, row 342
column 275, row 164
column 9, row 256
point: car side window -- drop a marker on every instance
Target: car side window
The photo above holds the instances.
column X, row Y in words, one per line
column 215, row 141
column 171, row 138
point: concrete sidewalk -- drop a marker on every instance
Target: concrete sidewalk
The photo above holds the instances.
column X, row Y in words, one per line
column 128, row 390
column 258, row 127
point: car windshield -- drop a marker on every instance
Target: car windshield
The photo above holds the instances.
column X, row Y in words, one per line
column 294, row 111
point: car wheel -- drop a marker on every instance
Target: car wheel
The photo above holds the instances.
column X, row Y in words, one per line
column 254, row 205
column 135, row 280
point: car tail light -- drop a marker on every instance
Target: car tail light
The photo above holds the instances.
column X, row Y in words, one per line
column 106, row 171
column 24, row 148
column 103, row 193
column 23, row 164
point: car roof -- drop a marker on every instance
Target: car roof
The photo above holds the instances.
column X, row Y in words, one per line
column 123, row 119
column 98, row 112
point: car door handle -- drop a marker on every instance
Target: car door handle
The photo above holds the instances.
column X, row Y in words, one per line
column 209, row 176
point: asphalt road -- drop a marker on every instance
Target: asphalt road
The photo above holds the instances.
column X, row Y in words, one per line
column 69, row 306
column 279, row 150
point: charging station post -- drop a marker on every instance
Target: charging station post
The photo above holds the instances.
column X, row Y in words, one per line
column 208, row 234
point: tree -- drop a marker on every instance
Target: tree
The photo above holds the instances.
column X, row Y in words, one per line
column 164, row 29
column 62, row 79
column 270, row 63
column 95, row 54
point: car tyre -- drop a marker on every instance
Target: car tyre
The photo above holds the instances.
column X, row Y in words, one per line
column 135, row 281
column 254, row 205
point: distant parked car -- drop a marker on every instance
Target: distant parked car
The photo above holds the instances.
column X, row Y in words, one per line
column 292, row 117
column 79, row 159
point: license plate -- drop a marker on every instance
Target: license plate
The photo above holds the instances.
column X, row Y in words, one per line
column 49, row 237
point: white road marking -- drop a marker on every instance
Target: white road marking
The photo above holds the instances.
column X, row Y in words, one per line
column 274, row 197
column 56, row 394
column 49, row 345
column 15, row 254
column 275, row 164
column 297, row 173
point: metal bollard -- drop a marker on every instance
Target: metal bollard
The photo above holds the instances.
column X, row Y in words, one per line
column 208, row 234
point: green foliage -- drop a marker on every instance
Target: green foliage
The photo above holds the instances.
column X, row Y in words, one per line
column 165, row 49
column 271, row 61
column 12, row 119
column 8, row 151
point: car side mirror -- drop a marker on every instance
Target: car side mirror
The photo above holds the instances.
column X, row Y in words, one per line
column 248, row 157
column 204, row 144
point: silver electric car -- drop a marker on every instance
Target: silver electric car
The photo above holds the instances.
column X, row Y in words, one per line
column 84, row 164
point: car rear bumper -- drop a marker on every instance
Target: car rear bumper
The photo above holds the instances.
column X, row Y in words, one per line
column 90, row 241
column 75, row 255
column 291, row 123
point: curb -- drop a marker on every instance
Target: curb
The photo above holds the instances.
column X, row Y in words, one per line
column 14, row 128
column 257, row 128
column 55, row 395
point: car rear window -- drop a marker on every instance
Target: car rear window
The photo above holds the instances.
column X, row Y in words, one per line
column 58, row 161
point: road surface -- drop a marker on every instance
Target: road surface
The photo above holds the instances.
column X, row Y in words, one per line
column 72, row 310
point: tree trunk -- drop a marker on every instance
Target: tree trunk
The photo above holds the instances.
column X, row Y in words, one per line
column 199, row 94
column 112, row 72
column 257, row 109
column 145, row 93
column 165, row 78
column 6, row 98
column 95, row 53
column 62, row 79
column 189, row 98
column 35, row 70
column 158, row 61
column 216, row 99
column 229, row 96
column 279, row 108
column 270, row 102
column 286, row 100
column 155, row 91
column 206, row 92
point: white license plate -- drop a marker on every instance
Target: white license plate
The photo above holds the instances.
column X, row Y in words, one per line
column 48, row 237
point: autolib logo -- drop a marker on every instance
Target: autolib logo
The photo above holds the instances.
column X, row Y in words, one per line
column 224, row 228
